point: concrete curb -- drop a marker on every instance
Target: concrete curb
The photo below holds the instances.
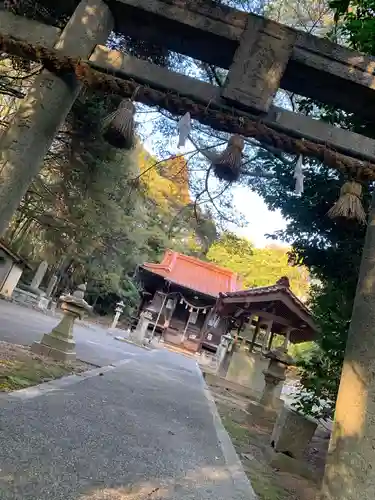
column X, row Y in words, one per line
column 60, row 383
column 123, row 339
column 241, row 482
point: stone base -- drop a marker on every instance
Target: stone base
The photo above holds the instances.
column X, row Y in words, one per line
column 43, row 303
column 233, row 388
column 292, row 433
column 51, row 352
column 260, row 414
column 25, row 297
column 59, row 342
column 290, row 465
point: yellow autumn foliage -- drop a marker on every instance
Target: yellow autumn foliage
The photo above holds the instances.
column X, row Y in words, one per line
column 166, row 182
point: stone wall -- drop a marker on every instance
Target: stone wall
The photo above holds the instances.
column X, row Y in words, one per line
column 247, row 368
column 25, row 298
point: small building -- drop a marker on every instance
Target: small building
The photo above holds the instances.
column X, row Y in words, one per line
column 274, row 308
column 179, row 295
column 266, row 312
column 11, row 268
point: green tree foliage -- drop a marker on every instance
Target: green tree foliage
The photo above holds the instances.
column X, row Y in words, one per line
column 332, row 251
column 231, row 251
column 95, row 213
column 80, row 208
column 258, row 266
column 321, row 369
column 179, row 225
column 357, row 23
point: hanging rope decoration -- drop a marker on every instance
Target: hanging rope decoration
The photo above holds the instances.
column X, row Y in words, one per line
column 192, row 307
column 298, row 176
column 227, row 165
column 184, row 128
column 349, row 205
column 119, row 126
column 216, row 116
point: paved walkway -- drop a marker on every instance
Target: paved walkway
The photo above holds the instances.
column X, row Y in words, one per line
column 143, row 430
column 21, row 325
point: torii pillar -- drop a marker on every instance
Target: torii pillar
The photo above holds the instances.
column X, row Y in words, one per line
column 350, row 467
column 42, row 112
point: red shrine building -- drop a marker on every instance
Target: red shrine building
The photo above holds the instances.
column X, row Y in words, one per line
column 180, row 295
column 192, row 303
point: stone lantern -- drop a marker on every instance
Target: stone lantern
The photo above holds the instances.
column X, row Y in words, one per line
column 275, row 374
column 59, row 344
column 118, row 311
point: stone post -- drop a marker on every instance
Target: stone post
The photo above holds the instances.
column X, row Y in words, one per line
column 59, row 343
column 292, row 433
column 39, row 275
column 268, row 395
column 350, row 468
column 274, row 375
column 51, row 285
column 44, row 109
column 119, row 309
column 224, row 354
column 140, row 332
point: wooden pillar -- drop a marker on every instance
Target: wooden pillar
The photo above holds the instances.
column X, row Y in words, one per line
column 204, row 328
column 350, row 468
column 267, row 335
column 287, row 332
column 44, row 109
column 270, row 341
column 240, row 326
column 255, row 335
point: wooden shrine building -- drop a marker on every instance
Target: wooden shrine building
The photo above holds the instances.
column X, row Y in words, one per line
column 192, row 303
column 180, row 294
column 274, row 310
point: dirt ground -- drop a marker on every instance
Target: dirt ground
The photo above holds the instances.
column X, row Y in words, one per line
column 286, row 479
column 20, row 368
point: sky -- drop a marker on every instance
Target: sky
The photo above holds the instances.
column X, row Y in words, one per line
column 259, row 220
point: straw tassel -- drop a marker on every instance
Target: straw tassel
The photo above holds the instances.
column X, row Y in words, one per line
column 119, row 127
column 349, row 205
column 227, row 165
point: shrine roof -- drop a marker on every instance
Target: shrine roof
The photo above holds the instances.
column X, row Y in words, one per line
column 276, row 302
column 196, row 274
column 267, row 291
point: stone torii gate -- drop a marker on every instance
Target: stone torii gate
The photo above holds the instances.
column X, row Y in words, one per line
column 261, row 56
